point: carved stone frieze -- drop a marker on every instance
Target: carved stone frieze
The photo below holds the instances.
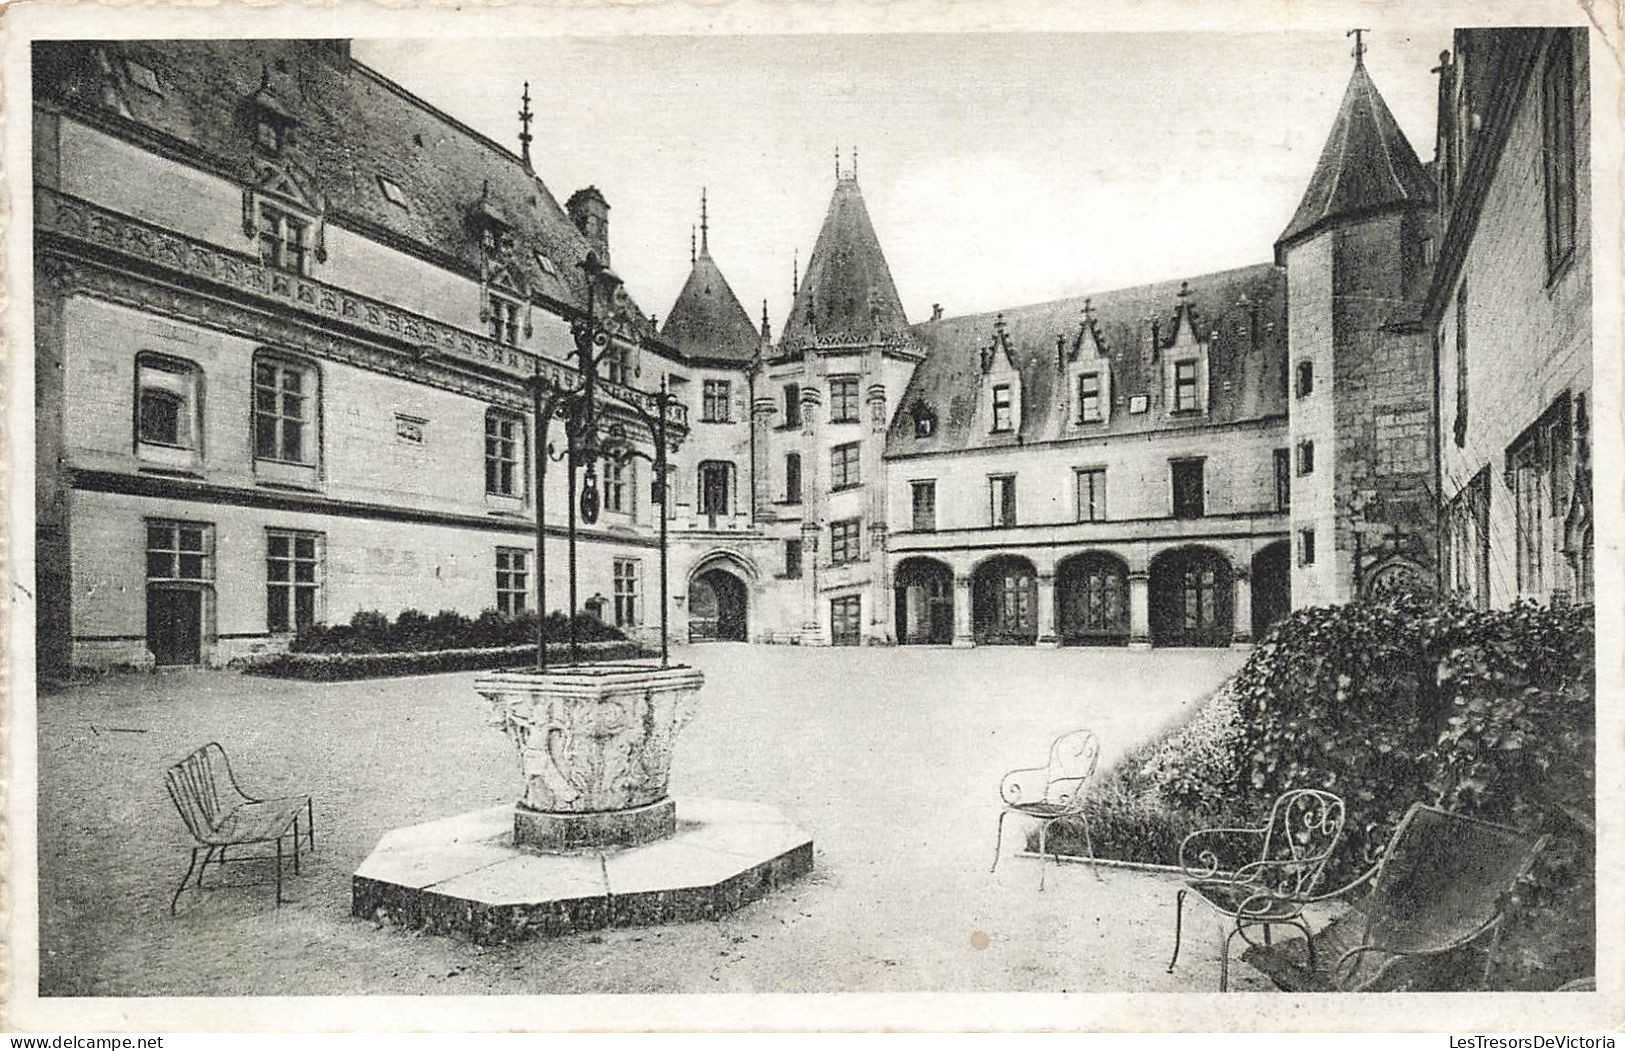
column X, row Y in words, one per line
column 429, row 349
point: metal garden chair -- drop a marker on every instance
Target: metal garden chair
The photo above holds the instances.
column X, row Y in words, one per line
column 219, row 814
column 1439, row 886
column 1293, row 847
column 1056, row 791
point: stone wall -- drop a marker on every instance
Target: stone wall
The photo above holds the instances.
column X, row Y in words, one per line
column 1529, row 333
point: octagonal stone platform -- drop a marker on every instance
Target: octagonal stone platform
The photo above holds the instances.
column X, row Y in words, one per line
column 463, row 874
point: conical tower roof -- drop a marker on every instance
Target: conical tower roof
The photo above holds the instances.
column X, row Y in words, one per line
column 847, row 294
column 707, row 321
column 1366, row 166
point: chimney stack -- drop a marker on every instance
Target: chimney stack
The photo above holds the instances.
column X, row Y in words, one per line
column 590, row 212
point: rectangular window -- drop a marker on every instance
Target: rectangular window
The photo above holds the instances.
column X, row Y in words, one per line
column 846, row 620
column 627, row 593
column 1091, row 494
column 619, row 487
column 618, row 364
column 166, row 401
column 292, row 579
column 1001, row 408
column 1185, row 399
column 1306, row 547
column 282, row 239
column 513, row 580
column 845, row 467
column 1089, row 397
column 502, row 321
column 844, row 544
column 1002, row 500
column 1461, row 365
column 925, row 505
column 1306, row 458
column 792, row 405
column 1557, row 128
column 179, row 551
column 716, row 401
column 284, row 411
column 1190, row 496
column 792, row 478
column 716, row 477
column 843, row 399
column 792, row 559
column 1306, row 378
column 504, row 438
column 1283, row 479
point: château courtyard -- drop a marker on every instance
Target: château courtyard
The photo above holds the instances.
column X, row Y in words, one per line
column 891, row 758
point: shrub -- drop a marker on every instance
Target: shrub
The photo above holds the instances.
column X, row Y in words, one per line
column 416, row 632
column 334, row 667
column 1195, row 767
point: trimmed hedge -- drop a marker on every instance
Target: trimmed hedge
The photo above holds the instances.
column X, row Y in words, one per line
column 1487, row 713
column 334, row 667
column 413, row 631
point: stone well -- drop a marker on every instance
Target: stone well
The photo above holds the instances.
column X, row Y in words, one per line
column 595, row 839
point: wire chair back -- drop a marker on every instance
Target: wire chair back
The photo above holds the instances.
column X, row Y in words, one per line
column 1305, row 826
column 203, row 789
column 1072, row 760
column 1443, row 880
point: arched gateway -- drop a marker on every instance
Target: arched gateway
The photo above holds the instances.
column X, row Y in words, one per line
column 925, row 602
column 718, row 602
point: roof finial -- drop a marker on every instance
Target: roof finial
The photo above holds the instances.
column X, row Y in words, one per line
column 854, row 164
column 1184, row 291
column 837, row 162
column 525, row 117
column 1359, row 46
column 764, row 316
column 1088, row 310
column 692, row 256
column 795, row 273
column 705, row 226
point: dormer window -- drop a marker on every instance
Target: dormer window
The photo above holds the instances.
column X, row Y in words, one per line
column 269, row 136
column 925, row 421
column 283, row 239
column 1089, row 398
column 503, row 321
column 1003, row 417
column 1186, row 396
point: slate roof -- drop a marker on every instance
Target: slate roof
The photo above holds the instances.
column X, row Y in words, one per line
column 1366, row 166
column 707, row 321
column 847, row 294
column 1247, row 360
column 355, row 125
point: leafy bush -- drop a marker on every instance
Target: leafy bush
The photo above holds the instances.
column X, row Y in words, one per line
column 416, row 632
column 1486, row 713
column 1194, row 768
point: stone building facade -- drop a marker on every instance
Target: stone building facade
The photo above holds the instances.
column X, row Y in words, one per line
column 1509, row 309
column 286, row 313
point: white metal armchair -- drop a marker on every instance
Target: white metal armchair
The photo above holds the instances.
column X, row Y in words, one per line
column 1056, row 791
column 1293, row 847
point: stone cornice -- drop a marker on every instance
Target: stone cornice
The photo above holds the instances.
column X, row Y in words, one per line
column 235, row 292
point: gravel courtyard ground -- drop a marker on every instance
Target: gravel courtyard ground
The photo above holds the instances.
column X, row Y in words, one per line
column 890, row 757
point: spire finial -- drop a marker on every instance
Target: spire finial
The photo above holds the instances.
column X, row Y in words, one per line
column 692, row 255
column 795, row 273
column 837, row 162
column 705, row 225
column 525, row 117
column 764, row 315
column 1359, row 45
column 854, row 163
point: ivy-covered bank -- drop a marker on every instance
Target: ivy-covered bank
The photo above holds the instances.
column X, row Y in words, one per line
column 1489, row 713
